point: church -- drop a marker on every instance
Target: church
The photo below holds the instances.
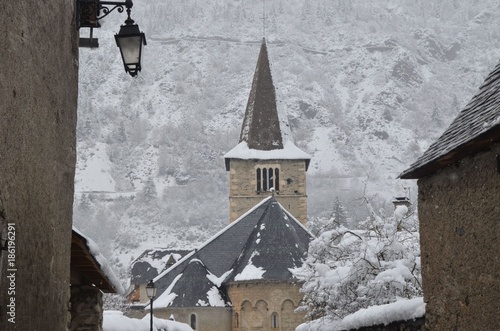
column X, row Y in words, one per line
column 241, row 278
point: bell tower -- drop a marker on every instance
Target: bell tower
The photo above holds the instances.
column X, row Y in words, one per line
column 264, row 162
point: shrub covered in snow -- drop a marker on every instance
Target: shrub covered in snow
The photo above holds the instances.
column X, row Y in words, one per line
column 347, row 270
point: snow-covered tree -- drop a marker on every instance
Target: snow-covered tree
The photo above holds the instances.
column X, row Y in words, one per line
column 338, row 217
column 347, row 270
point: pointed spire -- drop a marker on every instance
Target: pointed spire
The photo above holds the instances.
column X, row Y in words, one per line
column 261, row 126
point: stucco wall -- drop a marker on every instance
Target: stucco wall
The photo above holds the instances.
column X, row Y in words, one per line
column 243, row 193
column 38, row 101
column 207, row 318
column 459, row 210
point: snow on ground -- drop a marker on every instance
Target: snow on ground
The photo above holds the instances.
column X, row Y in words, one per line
column 94, row 173
column 401, row 310
column 116, row 321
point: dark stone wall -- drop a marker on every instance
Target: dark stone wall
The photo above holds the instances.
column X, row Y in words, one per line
column 86, row 308
column 38, row 102
column 459, row 210
column 417, row 324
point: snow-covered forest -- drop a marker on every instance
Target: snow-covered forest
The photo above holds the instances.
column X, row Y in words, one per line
column 366, row 86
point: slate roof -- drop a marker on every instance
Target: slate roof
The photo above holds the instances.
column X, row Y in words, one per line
column 273, row 247
column 282, row 245
column 261, row 125
column 261, row 136
column 142, row 268
column 195, row 288
column 476, row 128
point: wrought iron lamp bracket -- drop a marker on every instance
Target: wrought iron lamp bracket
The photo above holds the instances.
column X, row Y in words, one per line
column 89, row 12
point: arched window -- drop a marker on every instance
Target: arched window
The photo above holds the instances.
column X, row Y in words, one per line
column 258, row 180
column 270, row 176
column 277, row 179
column 274, row 321
column 236, row 320
column 264, row 180
column 193, row 321
column 267, row 178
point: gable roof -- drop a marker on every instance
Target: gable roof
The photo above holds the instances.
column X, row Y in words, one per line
column 476, row 128
column 261, row 126
column 232, row 247
column 195, row 287
column 272, row 249
column 152, row 262
column 89, row 262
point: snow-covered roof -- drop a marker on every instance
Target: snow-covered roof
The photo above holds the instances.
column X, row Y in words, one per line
column 272, row 249
column 262, row 136
column 152, row 262
column 401, row 310
column 267, row 237
column 195, row 287
column 476, row 128
column 95, row 267
column 288, row 152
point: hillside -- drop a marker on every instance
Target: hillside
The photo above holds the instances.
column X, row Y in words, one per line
column 366, row 87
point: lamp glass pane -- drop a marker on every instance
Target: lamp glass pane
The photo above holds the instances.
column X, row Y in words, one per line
column 130, row 48
column 150, row 291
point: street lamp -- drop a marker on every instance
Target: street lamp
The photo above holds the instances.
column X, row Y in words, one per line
column 151, row 293
column 130, row 40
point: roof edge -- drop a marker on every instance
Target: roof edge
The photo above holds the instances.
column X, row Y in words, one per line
column 189, row 255
column 481, row 143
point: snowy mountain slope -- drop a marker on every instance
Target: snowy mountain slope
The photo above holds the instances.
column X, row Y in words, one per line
column 367, row 86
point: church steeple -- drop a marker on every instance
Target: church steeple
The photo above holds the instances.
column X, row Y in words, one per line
column 261, row 125
column 265, row 162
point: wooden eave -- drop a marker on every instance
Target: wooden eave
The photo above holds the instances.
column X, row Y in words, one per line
column 481, row 143
column 86, row 264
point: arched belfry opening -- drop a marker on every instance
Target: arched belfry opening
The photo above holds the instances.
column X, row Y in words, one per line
column 265, row 162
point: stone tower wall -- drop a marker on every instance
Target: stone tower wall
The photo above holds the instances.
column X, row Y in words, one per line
column 459, row 211
column 38, row 103
column 255, row 302
column 292, row 193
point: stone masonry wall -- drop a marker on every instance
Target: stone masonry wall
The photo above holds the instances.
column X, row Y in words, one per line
column 292, row 193
column 86, row 308
column 38, row 103
column 417, row 324
column 255, row 302
column 459, row 211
